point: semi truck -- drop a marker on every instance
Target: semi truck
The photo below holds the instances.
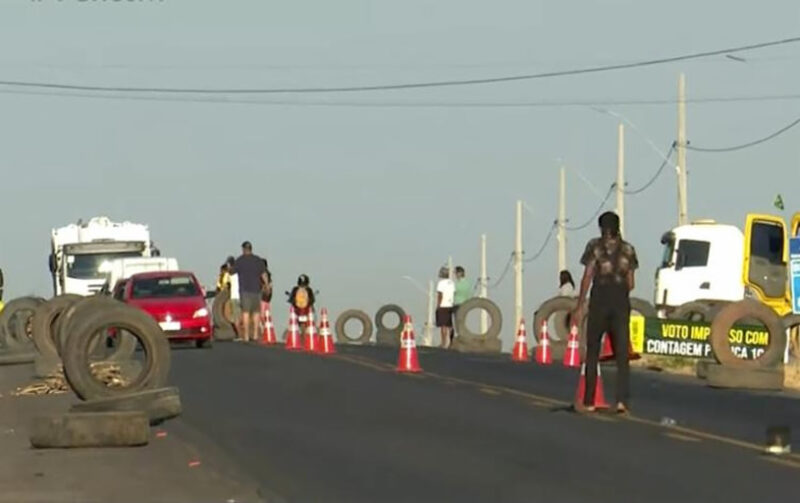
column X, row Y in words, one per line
column 80, row 251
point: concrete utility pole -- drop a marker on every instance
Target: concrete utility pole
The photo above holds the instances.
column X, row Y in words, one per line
column 450, row 267
column 683, row 210
column 621, row 178
column 484, row 284
column 518, row 268
column 562, row 221
column 428, row 336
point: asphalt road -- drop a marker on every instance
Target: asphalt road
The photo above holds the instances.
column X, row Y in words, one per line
column 472, row 428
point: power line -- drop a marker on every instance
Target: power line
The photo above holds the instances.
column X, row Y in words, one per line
column 657, row 173
column 503, row 274
column 599, row 209
column 543, row 247
column 400, row 86
column 748, row 144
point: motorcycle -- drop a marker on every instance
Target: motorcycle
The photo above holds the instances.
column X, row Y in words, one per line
column 303, row 315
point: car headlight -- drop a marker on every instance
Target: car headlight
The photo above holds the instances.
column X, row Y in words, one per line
column 200, row 313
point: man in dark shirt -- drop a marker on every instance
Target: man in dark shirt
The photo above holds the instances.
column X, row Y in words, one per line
column 610, row 264
column 252, row 272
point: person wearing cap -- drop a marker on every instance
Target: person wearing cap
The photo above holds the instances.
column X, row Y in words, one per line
column 251, row 271
column 445, row 295
column 609, row 263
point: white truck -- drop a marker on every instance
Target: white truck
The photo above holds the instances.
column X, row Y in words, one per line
column 79, row 251
column 122, row 269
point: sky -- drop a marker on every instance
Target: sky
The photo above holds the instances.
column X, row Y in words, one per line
column 358, row 195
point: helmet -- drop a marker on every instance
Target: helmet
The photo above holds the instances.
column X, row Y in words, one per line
column 303, row 280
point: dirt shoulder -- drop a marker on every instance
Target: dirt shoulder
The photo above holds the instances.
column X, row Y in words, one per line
column 178, row 465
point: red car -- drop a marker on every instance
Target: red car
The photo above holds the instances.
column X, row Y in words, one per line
column 175, row 299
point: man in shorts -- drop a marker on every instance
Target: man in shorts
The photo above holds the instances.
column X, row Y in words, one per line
column 445, row 293
column 252, row 274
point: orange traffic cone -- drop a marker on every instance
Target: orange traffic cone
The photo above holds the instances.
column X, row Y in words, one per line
column 268, row 337
column 408, row 361
column 544, row 354
column 572, row 357
column 293, row 337
column 520, row 352
column 599, row 396
column 311, row 340
column 607, row 350
column 326, row 346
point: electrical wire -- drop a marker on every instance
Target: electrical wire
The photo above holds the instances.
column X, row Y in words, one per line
column 401, row 86
column 602, row 205
column 657, row 173
column 544, row 245
column 748, row 144
column 504, row 273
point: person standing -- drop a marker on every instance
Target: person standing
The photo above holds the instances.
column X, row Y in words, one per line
column 445, row 293
column 609, row 263
column 252, row 274
column 463, row 293
column 566, row 287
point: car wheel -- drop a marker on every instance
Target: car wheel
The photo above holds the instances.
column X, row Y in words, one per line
column 203, row 343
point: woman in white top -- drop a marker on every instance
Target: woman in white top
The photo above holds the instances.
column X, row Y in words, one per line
column 567, row 285
column 445, row 290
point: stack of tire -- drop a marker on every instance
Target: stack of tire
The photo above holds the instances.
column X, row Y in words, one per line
column 222, row 317
column 70, row 332
column 728, row 370
column 557, row 313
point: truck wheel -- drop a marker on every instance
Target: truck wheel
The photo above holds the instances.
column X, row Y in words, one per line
column 90, row 429
column 720, row 376
column 728, row 316
column 159, row 404
column 692, row 311
column 643, row 307
column 43, row 322
column 77, row 354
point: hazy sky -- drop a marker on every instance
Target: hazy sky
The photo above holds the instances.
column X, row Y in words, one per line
column 357, row 197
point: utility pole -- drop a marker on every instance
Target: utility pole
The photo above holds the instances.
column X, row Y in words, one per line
column 683, row 211
column 484, row 284
column 621, row 178
column 518, row 268
column 450, row 267
column 429, row 324
column 562, row 221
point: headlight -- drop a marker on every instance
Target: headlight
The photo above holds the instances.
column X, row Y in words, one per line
column 200, row 313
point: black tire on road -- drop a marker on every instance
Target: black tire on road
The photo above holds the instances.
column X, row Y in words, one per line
column 697, row 310
column 721, row 376
column 17, row 358
column 159, row 404
column 728, row 316
column 366, row 330
column 78, row 313
column 143, row 327
column 204, row 343
column 43, row 324
column 560, row 309
column 91, row 429
column 495, row 318
column 14, row 319
column 224, row 329
column 643, row 307
column 389, row 336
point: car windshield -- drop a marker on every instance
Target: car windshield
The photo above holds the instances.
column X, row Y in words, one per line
column 163, row 287
column 86, row 266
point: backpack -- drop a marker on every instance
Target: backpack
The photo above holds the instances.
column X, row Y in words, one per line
column 301, row 298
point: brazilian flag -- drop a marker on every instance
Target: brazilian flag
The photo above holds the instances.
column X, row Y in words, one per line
column 778, row 203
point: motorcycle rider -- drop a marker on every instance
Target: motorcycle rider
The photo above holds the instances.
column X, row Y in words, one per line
column 302, row 299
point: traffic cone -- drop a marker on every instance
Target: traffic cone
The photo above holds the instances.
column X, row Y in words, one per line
column 293, row 337
column 520, row 352
column 572, row 357
column 599, row 396
column 408, row 361
column 326, row 345
column 311, row 339
column 607, row 350
column 544, row 354
column 268, row 337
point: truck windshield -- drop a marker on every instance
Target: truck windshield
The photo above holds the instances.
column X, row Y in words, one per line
column 165, row 286
column 86, row 266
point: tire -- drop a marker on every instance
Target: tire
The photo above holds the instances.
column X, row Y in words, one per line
column 204, row 343
column 701, row 368
column 387, row 336
column 139, row 324
column 721, row 376
column 78, row 312
column 495, row 318
column 159, row 404
column 91, row 429
column 558, row 307
column 725, row 319
column 791, row 322
column 224, row 329
column 14, row 358
column 14, row 319
column 43, row 324
column 643, row 307
column 691, row 310
column 366, row 331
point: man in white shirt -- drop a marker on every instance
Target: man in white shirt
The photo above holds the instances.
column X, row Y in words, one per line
column 445, row 293
column 236, row 304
